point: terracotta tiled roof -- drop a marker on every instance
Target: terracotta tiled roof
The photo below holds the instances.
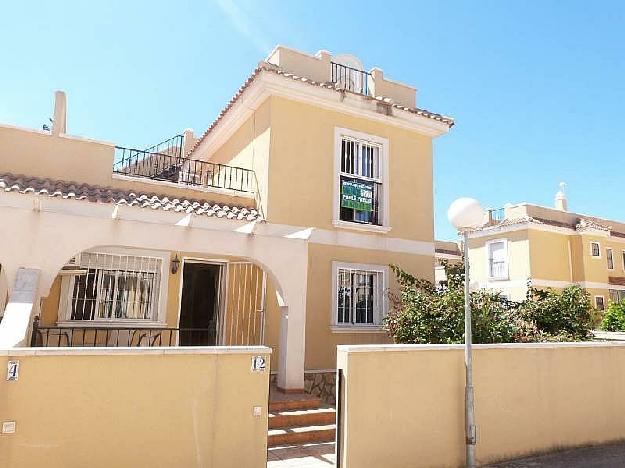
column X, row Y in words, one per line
column 97, row 194
column 264, row 66
column 616, row 280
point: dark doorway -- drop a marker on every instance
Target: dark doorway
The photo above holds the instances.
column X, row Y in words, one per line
column 199, row 306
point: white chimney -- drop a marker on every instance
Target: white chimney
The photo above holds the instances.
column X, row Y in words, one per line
column 561, row 201
column 59, row 122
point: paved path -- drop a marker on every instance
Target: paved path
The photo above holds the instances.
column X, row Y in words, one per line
column 307, row 456
column 602, row 456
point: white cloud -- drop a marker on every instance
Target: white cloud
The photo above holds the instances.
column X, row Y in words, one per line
column 242, row 23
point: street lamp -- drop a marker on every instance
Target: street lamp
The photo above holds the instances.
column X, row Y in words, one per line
column 466, row 214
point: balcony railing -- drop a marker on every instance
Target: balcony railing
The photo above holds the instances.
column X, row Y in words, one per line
column 111, row 337
column 180, row 170
column 496, row 215
column 352, row 79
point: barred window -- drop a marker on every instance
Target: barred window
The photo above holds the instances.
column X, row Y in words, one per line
column 595, row 249
column 111, row 286
column 359, row 297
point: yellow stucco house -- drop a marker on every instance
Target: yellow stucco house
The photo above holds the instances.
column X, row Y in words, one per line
column 549, row 247
column 275, row 226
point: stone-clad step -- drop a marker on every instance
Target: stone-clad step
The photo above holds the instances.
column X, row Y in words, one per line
column 309, row 417
column 299, row 419
column 298, row 402
column 301, row 435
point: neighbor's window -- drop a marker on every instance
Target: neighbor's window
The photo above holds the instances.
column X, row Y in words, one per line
column 360, row 296
column 599, row 304
column 617, row 295
column 497, row 260
column 110, row 286
column 623, row 255
column 595, row 249
column 610, row 258
column 360, row 181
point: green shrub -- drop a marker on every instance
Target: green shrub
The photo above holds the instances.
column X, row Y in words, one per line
column 614, row 317
column 423, row 314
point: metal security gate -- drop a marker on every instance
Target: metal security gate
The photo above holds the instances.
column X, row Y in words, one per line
column 244, row 321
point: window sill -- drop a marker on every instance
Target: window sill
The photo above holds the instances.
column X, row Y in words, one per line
column 498, row 278
column 360, row 227
column 357, row 329
column 110, row 324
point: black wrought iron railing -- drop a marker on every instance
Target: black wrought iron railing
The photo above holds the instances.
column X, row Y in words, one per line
column 173, row 146
column 496, row 215
column 177, row 169
column 352, row 79
column 105, row 336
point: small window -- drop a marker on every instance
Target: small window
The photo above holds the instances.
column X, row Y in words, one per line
column 595, row 249
column 610, row 258
column 497, row 260
column 359, row 297
column 360, row 182
column 599, row 304
column 623, row 255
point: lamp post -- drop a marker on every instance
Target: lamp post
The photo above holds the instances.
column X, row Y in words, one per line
column 465, row 214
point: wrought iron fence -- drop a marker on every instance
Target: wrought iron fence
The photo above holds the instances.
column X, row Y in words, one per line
column 105, row 336
column 172, row 168
column 496, row 215
column 352, row 79
column 173, row 146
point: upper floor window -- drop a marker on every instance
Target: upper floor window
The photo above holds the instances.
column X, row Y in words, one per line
column 362, row 183
column 113, row 287
column 610, row 258
column 358, row 294
column 497, row 259
column 595, row 249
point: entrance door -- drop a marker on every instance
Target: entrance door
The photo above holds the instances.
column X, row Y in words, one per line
column 199, row 306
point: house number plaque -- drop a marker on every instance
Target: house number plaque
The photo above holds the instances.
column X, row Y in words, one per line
column 259, row 364
column 13, row 370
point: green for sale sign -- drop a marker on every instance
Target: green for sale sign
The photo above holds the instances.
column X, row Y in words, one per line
column 357, row 195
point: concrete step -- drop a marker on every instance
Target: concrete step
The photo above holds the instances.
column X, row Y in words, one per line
column 308, row 417
column 301, row 435
column 295, row 403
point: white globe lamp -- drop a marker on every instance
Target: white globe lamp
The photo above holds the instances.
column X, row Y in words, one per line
column 466, row 213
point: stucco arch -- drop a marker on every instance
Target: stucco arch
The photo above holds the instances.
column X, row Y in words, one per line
column 45, row 238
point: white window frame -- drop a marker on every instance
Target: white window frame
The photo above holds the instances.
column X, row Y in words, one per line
column 67, row 281
column 380, row 310
column 506, row 276
column 609, row 255
column 599, row 249
column 597, row 302
column 384, row 207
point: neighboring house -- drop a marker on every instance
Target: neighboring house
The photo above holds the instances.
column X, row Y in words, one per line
column 549, row 247
column 275, row 227
column 448, row 251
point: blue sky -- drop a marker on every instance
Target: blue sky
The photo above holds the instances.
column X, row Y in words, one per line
column 537, row 87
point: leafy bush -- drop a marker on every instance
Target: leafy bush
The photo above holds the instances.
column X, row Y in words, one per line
column 614, row 317
column 423, row 314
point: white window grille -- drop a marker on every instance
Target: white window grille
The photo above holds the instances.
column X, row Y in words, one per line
column 114, row 287
column 595, row 249
column 610, row 258
column 497, row 260
column 360, row 163
column 360, row 297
